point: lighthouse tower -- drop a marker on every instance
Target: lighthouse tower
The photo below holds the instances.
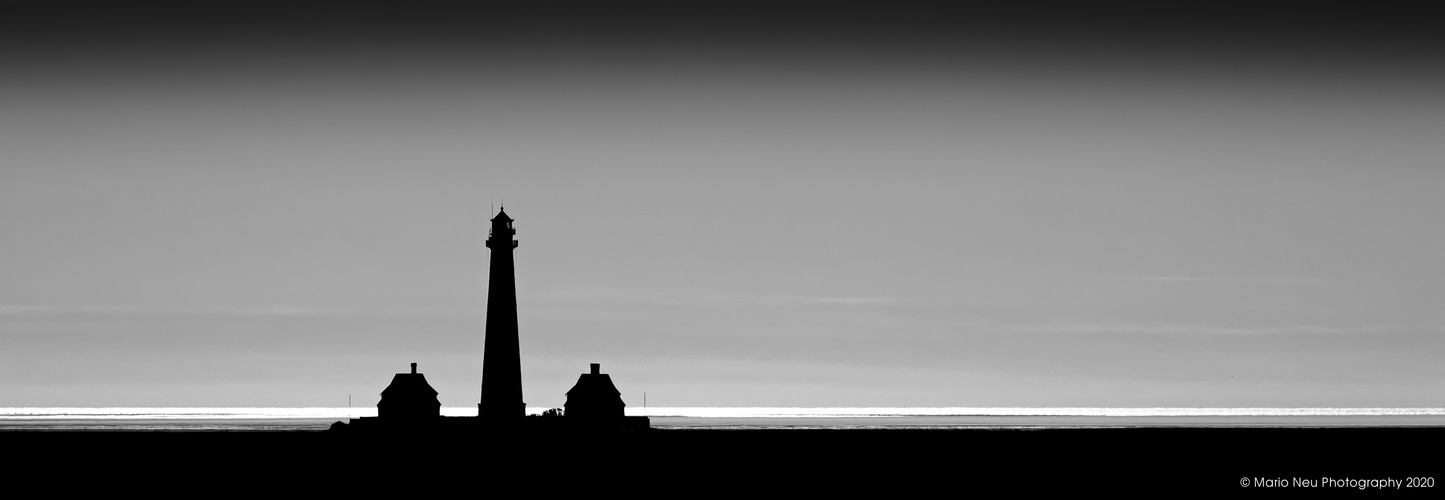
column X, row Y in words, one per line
column 501, row 357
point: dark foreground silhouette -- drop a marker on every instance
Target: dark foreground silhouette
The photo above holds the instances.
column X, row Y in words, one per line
column 409, row 407
column 687, row 463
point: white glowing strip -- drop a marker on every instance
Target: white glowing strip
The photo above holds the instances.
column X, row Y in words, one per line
column 129, row 413
column 777, row 412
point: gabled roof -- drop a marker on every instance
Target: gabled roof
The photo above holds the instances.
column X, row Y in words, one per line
column 408, row 385
column 594, row 386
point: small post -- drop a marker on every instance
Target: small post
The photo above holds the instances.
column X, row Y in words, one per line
column 596, row 368
column 413, row 368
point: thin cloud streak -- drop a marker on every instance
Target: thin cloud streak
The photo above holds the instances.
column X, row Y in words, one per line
column 277, row 311
column 1170, row 329
column 844, row 301
column 1221, row 279
column 709, row 300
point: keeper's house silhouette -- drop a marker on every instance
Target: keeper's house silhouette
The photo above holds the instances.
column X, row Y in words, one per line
column 409, row 397
column 594, row 397
column 411, row 404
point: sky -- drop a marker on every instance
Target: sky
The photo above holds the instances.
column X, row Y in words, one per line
column 731, row 205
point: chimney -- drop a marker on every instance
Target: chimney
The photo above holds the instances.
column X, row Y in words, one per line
column 413, row 368
column 596, row 368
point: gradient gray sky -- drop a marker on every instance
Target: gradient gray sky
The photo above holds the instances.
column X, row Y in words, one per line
column 797, row 218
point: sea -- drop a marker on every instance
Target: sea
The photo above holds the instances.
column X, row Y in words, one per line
column 741, row 418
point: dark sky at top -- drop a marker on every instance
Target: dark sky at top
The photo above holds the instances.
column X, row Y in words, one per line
column 1114, row 30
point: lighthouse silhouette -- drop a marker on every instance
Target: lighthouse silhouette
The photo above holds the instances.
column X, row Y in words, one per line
column 501, row 356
